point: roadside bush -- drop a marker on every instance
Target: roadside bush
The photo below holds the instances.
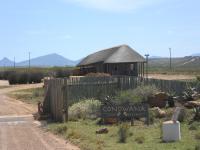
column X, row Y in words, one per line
column 22, row 78
column 123, row 132
column 61, row 73
column 12, row 78
column 5, row 74
column 1, row 76
column 84, row 109
column 141, row 93
column 98, row 74
column 60, row 129
column 35, row 77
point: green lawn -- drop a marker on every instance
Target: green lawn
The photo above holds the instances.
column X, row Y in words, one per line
column 31, row 96
column 82, row 133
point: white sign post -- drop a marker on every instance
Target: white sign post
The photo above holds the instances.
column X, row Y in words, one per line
column 171, row 129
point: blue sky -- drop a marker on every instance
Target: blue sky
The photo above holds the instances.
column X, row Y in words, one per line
column 76, row 28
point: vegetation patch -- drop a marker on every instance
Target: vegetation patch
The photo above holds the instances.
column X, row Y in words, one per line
column 31, row 96
column 141, row 93
column 82, row 133
column 88, row 108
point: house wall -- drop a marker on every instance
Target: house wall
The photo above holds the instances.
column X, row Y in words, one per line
column 132, row 69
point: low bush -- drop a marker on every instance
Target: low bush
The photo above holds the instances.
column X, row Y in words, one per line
column 84, row 109
column 141, row 93
column 60, row 129
column 198, row 78
column 140, row 139
column 12, row 78
column 123, row 132
column 197, row 136
column 24, row 77
column 194, row 126
column 197, row 147
column 35, row 77
column 61, row 73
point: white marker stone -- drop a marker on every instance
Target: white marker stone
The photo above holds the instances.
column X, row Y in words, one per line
column 171, row 129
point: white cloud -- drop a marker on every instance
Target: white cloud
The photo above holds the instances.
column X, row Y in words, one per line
column 115, row 5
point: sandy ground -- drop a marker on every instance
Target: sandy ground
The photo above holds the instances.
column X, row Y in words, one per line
column 18, row 130
column 171, row 77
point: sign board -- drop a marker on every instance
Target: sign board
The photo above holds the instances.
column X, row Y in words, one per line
column 125, row 111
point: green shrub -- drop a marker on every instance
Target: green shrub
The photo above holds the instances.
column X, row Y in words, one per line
column 194, row 126
column 197, row 147
column 198, row 78
column 22, row 78
column 61, row 73
column 141, row 93
column 123, row 132
column 197, row 136
column 35, row 77
column 84, row 109
column 60, row 129
column 13, row 78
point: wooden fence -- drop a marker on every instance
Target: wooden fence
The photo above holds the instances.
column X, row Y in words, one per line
column 61, row 93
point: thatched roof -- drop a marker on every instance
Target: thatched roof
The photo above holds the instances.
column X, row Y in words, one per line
column 118, row 54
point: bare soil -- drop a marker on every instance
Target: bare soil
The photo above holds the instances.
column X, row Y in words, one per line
column 171, row 77
column 18, row 130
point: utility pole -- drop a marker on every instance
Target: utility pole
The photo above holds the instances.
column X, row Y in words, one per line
column 170, row 59
column 14, row 62
column 147, row 66
column 29, row 62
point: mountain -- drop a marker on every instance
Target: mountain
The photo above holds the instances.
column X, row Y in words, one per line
column 6, row 62
column 197, row 54
column 179, row 62
column 151, row 57
column 48, row 61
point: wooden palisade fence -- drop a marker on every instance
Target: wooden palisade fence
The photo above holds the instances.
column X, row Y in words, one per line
column 63, row 92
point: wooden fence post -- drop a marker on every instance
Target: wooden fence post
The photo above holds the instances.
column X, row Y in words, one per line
column 65, row 101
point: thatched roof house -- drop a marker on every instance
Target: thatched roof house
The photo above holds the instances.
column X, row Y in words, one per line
column 119, row 60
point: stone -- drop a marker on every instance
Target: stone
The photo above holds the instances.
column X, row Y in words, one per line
column 158, row 112
column 158, row 100
column 192, row 104
column 102, row 131
column 171, row 131
column 110, row 120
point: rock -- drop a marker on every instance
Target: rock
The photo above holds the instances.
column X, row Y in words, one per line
column 158, row 100
column 102, row 131
column 110, row 120
column 158, row 112
column 192, row 104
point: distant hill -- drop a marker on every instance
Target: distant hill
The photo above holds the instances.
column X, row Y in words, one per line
column 197, row 54
column 48, row 61
column 180, row 62
column 6, row 62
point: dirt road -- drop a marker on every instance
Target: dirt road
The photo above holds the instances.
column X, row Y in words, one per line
column 18, row 130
